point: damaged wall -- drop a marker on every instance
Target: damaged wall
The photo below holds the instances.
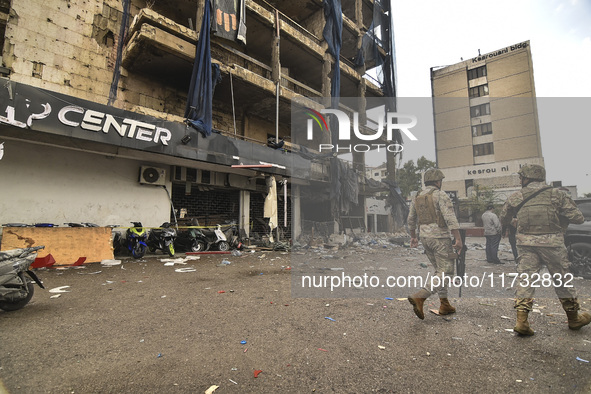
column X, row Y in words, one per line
column 98, row 189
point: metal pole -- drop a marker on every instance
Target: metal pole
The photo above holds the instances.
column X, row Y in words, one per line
column 233, row 109
column 277, row 30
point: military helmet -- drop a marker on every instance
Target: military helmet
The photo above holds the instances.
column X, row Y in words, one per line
column 533, row 171
column 433, row 174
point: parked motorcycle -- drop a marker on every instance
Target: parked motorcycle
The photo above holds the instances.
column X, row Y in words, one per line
column 162, row 238
column 191, row 239
column 16, row 290
column 81, row 224
column 135, row 241
column 222, row 240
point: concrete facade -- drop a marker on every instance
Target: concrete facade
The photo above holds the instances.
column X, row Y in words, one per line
column 486, row 120
column 70, row 48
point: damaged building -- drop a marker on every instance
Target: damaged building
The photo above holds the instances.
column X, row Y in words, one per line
column 160, row 110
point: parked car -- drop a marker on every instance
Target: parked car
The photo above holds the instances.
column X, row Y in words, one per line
column 578, row 242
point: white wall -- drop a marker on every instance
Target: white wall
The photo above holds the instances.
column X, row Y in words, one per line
column 41, row 183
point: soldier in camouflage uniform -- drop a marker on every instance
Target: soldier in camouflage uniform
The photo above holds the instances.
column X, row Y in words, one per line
column 541, row 222
column 432, row 211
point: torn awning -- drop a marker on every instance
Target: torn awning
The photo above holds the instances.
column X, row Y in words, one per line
column 333, row 34
column 199, row 101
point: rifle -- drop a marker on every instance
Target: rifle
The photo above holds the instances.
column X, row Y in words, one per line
column 461, row 259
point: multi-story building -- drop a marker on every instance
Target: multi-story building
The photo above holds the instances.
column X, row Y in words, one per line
column 94, row 105
column 486, row 120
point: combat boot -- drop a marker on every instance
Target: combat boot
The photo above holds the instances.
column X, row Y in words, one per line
column 522, row 326
column 417, row 300
column 576, row 321
column 445, row 308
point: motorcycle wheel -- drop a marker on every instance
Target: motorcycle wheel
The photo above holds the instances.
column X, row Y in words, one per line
column 117, row 247
column 223, row 246
column 16, row 305
column 197, row 246
column 170, row 249
column 138, row 251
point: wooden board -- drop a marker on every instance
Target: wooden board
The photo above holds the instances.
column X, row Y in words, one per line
column 65, row 244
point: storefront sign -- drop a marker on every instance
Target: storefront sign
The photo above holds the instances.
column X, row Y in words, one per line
column 40, row 113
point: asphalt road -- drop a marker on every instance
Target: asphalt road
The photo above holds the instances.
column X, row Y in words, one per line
column 144, row 327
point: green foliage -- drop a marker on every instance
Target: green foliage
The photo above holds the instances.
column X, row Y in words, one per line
column 481, row 198
column 587, row 195
column 409, row 176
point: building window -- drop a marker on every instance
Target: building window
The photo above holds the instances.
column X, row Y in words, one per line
column 484, row 149
column 376, row 174
column 479, row 91
column 480, row 110
column 481, row 129
column 477, row 72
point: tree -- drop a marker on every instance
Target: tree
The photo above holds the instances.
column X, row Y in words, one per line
column 587, row 195
column 409, row 176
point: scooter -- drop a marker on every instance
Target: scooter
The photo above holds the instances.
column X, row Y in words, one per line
column 135, row 241
column 16, row 290
column 191, row 239
column 216, row 238
column 162, row 238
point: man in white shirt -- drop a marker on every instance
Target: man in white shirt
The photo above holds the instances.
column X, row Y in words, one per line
column 492, row 232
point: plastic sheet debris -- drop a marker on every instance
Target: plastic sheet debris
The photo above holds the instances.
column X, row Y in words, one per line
column 582, row 360
column 257, row 373
column 186, row 269
column 172, row 262
column 232, row 381
column 236, row 253
column 211, row 389
column 56, row 296
column 330, row 318
column 110, row 263
column 243, row 342
column 381, row 347
column 61, row 289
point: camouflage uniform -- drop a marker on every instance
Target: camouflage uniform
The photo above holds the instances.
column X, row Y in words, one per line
column 540, row 240
column 436, row 237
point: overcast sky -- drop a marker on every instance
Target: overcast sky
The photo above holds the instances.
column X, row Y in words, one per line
column 431, row 33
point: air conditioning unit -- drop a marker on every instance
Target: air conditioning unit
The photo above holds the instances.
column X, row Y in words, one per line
column 152, row 176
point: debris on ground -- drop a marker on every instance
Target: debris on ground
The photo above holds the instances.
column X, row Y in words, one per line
column 211, row 389
column 110, row 263
column 61, row 289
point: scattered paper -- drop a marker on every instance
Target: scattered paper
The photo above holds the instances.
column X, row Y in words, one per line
column 188, row 269
column 110, row 263
column 61, row 289
column 211, row 389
